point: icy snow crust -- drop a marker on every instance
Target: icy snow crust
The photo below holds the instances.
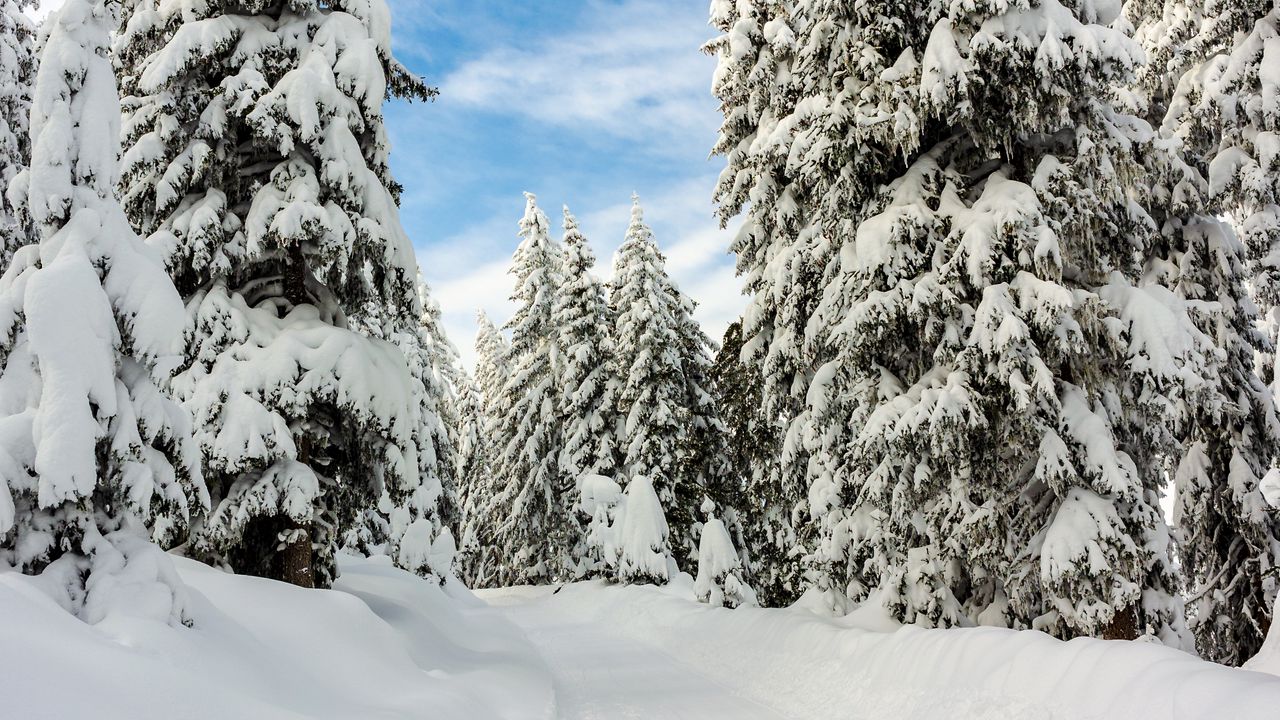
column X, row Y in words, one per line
column 383, row 644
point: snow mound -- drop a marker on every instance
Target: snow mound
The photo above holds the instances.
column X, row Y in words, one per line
column 384, row 643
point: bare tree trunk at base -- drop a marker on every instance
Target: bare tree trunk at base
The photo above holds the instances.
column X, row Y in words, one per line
column 1124, row 626
column 295, row 555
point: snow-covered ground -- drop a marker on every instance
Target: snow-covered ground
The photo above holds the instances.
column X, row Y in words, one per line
column 385, row 644
column 603, row 671
column 645, row 652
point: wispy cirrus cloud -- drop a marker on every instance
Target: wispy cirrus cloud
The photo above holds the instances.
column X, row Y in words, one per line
column 633, row 71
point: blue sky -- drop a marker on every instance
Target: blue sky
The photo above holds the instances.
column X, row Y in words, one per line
column 581, row 102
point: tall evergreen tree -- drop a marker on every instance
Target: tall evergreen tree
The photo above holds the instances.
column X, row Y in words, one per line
column 984, row 386
column 585, row 376
column 1204, row 92
column 779, row 257
column 492, row 353
column 450, row 380
column 17, row 74
column 704, row 445
column 478, row 562
column 775, row 553
column 257, row 160
column 90, row 448
column 666, row 413
column 581, row 323
column 427, row 512
column 529, row 522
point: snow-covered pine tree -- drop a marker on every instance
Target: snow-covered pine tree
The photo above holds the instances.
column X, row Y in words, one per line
column 779, row 256
column 1200, row 94
column 582, row 326
column 469, row 455
column 658, row 404
column 585, row 375
column 451, row 379
column 530, row 523
column 991, row 387
column 90, row 448
column 257, row 160
column 477, row 554
column 17, row 74
column 427, row 512
column 771, row 542
column 641, row 535
column 704, row 445
column 720, row 581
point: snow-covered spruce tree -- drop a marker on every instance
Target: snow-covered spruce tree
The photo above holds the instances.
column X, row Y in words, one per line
column 704, row 443
column 477, row 554
column 662, row 363
column 470, row 465
column 17, row 74
column 450, row 380
column 771, row 544
column 1198, row 93
column 641, row 535
column 257, row 160
column 779, row 257
column 416, row 525
column 90, row 448
column 720, row 581
column 530, row 523
column 584, row 375
column 992, row 388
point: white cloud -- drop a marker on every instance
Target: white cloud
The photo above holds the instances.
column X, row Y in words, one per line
column 633, row 71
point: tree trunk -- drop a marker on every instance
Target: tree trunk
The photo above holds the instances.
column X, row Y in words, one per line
column 295, row 556
column 295, row 275
column 1124, row 626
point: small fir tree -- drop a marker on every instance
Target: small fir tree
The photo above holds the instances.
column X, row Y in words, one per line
column 720, row 580
column 644, row 554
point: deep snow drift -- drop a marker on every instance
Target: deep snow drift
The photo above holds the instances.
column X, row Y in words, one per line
column 383, row 644
column 751, row 663
column 386, row 644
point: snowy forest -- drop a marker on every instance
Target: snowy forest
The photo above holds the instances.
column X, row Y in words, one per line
column 997, row 434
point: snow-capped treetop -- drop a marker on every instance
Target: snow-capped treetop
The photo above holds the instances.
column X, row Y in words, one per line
column 536, row 268
column 596, row 491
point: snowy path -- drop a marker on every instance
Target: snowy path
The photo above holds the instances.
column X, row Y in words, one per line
column 602, row 675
